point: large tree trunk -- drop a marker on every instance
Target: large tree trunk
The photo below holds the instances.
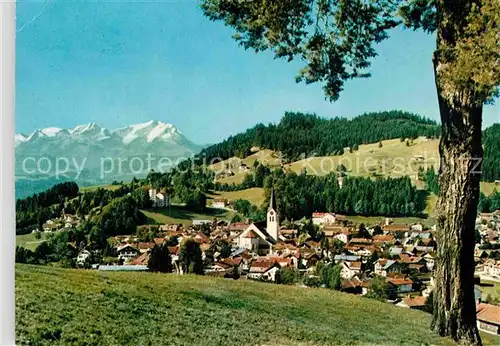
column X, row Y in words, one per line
column 460, row 149
column 461, row 154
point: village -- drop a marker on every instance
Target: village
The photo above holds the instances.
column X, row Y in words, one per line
column 396, row 260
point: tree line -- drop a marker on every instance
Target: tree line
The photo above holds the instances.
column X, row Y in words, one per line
column 299, row 195
column 307, row 134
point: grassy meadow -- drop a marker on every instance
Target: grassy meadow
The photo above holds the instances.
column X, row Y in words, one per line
column 181, row 215
column 29, row 241
column 491, row 288
column 77, row 307
column 254, row 195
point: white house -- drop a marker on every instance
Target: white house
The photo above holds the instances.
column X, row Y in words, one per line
column 263, row 269
column 219, row 203
column 492, row 268
column 349, row 269
column 82, row 256
column 384, row 266
column 323, row 218
column 160, row 198
column 127, row 252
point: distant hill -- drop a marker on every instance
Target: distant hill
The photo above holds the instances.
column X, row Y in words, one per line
column 299, row 134
column 159, row 309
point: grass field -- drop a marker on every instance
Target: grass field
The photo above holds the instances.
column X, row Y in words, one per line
column 254, row 195
column 79, row 307
column 393, row 159
column 264, row 156
column 180, row 215
column 490, row 288
column 372, row 220
column 29, row 241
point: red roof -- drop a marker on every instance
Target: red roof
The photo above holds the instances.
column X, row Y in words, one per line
column 159, row 241
column 145, row 246
column 415, row 302
column 383, row 238
column 201, row 238
column 141, row 260
column 488, row 313
column 400, row 281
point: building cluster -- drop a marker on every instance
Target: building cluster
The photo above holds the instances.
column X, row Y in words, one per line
column 63, row 223
column 401, row 255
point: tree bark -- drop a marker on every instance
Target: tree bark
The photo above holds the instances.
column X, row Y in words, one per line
column 461, row 154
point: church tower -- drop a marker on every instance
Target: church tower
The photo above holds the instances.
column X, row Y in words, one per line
column 273, row 222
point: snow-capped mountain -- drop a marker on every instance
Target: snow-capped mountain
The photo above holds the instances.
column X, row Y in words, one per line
column 93, row 144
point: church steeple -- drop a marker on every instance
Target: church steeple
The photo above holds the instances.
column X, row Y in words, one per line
column 273, row 223
column 272, row 201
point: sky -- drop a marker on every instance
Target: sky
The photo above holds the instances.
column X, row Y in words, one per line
column 118, row 63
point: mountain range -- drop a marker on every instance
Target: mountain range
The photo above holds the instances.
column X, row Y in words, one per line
column 85, row 152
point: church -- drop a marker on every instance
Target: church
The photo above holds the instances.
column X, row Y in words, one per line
column 261, row 236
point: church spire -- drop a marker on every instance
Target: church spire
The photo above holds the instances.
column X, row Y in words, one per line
column 272, row 201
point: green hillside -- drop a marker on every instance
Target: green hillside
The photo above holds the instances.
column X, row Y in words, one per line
column 89, row 307
column 64, row 306
column 180, row 215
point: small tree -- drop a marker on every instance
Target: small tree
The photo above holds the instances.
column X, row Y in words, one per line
column 289, row 276
column 335, row 282
column 190, row 257
column 225, row 250
column 160, row 259
column 379, row 288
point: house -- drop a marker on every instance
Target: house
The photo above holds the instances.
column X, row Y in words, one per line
column 346, row 258
column 127, row 252
column 263, row 269
column 384, row 266
column 353, row 286
column 491, row 268
column 289, row 233
column 169, row 228
column 142, row 260
column 283, row 249
column 219, row 203
column 308, row 257
column 394, row 228
column 349, row 269
column 323, row 218
column 488, row 318
column 395, row 251
column 201, row 222
column 160, row 199
column 417, row 227
column 400, row 284
column 418, row 302
column 201, row 238
column 82, row 256
column 144, row 246
column 342, row 233
column 429, row 259
column 382, row 239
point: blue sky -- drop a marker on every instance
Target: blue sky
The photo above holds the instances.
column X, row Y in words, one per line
column 119, row 63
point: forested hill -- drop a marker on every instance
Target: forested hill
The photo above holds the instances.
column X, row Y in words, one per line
column 298, row 134
column 491, row 158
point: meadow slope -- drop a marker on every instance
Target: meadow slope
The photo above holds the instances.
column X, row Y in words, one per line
column 68, row 306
